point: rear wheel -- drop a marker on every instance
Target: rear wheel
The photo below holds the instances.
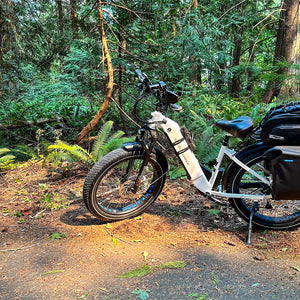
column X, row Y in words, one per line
column 113, row 191
column 273, row 214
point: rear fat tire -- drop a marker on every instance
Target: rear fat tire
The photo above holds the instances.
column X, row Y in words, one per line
column 274, row 215
column 107, row 191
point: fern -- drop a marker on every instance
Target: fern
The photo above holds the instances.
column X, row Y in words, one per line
column 177, row 173
column 23, row 152
column 116, row 135
column 3, row 151
column 63, row 152
column 101, row 139
column 59, row 157
column 5, row 158
column 111, row 145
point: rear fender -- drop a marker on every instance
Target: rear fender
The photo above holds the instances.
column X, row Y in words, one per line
column 138, row 147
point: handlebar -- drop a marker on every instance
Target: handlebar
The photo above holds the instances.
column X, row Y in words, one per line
column 159, row 90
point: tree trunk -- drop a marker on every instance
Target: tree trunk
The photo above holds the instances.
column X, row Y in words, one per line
column 110, row 83
column 236, row 83
column 8, row 32
column 250, row 78
column 293, row 86
column 74, row 21
column 1, row 33
column 194, row 4
column 60, row 16
column 286, row 47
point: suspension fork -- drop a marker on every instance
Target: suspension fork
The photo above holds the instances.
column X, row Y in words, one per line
column 148, row 150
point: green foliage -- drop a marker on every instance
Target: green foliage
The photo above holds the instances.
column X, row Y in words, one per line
column 18, row 154
column 213, row 212
column 53, row 201
column 207, row 138
column 57, row 236
column 172, row 265
column 197, row 296
column 6, row 158
column 63, row 152
column 105, row 142
column 47, row 72
column 178, row 172
column 141, row 293
column 143, row 271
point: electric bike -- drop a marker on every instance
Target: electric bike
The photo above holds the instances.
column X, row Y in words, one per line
column 127, row 180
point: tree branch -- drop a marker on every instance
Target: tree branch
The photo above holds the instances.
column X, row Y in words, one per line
column 110, row 83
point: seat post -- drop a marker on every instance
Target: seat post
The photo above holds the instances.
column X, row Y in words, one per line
column 226, row 140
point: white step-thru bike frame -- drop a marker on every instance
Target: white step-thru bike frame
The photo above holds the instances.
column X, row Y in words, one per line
column 191, row 163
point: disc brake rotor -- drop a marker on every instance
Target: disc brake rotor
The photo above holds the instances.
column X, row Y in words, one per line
column 126, row 189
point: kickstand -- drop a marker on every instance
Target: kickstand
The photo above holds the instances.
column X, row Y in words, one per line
column 254, row 210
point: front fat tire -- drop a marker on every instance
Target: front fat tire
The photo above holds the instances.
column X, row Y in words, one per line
column 267, row 217
column 108, row 196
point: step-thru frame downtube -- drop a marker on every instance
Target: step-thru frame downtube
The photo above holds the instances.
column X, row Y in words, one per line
column 191, row 163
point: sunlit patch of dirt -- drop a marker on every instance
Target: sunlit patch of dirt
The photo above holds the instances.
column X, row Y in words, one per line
column 180, row 221
column 180, row 214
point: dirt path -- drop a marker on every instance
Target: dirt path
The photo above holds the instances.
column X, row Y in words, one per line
column 65, row 253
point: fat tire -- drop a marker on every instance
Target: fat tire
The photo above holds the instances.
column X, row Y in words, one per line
column 103, row 167
column 243, row 209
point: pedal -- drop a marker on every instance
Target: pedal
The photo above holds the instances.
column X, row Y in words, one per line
column 254, row 210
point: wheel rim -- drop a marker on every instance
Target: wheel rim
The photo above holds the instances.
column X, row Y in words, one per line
column 270, row 211
column 117, row 193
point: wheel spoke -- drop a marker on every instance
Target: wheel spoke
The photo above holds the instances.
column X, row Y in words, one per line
column 119, row 191
column 272, row 213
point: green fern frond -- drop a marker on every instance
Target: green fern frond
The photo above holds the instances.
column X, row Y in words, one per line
column 113, row 144
column 82, row 154
column 58, row 157
column 4, row 150
column 199, row 119
column 177, row 173
column 116, row 135
column 24, row 151
column 6, row 159
column 101, row 139
column 76, row 151
column 61, row 151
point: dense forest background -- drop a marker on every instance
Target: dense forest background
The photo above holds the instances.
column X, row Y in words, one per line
column 226, row 58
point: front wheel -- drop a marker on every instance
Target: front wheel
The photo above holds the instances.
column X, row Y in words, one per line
column 272, row 214
column 113, row 190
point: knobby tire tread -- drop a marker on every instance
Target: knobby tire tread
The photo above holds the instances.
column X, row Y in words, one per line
column 103, row 165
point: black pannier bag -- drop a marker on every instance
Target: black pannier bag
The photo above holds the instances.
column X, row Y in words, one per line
column 281, row 125
column 285, row 170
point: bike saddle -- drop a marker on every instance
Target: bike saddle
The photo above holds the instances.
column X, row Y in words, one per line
column 238, row 127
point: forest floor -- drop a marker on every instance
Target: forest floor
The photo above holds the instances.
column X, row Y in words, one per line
column 52, row 248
